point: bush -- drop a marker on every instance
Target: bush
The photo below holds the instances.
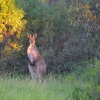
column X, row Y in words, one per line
column 68, row 32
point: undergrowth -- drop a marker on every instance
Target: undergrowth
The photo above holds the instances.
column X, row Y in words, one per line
column 74, row 86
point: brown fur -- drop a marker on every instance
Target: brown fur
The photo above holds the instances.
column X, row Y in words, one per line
column 39, row 69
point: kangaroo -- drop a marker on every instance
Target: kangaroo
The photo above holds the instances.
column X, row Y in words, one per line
column 36, row 65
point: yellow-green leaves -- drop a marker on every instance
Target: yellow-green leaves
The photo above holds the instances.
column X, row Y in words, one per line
column 10, row 23
column 11, row 15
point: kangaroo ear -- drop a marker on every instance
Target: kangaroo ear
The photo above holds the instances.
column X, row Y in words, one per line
column 29, row 35
column 35, row 35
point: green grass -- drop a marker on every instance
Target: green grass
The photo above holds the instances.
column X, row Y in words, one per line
column 75, row 86
column 17, row 88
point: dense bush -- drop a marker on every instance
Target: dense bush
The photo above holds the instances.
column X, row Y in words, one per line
column 68, row 32
column 85, row 85
column 11, row 25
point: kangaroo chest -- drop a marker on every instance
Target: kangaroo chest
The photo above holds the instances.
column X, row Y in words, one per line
column 32, row 52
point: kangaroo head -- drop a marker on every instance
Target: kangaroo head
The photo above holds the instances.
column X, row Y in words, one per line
column 32, row 38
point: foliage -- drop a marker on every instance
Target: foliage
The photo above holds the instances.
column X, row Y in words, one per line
column 11, row 25
column 90, row 76
column 68, row 32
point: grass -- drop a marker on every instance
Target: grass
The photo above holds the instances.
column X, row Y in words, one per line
column 25, row 89
column 75, row 86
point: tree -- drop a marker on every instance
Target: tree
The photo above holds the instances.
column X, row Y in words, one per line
column 68, row 31
column 11, row 25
